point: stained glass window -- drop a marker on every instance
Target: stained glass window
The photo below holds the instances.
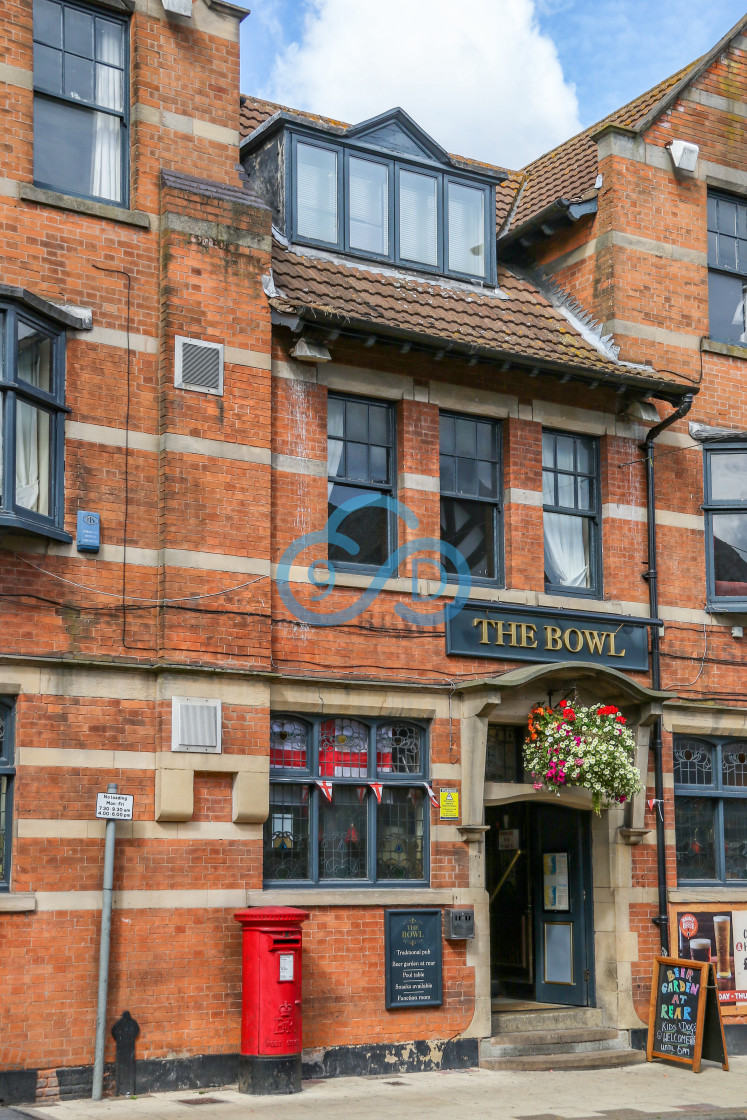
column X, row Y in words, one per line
column 710, row 788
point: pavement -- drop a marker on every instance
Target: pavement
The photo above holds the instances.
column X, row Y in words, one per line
column 650, row 1091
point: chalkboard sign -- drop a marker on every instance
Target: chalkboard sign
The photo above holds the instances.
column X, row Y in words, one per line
column 685, row 1019
column 413, row 958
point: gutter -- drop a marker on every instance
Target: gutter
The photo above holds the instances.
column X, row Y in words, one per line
column 661, row 920
column 562, row 211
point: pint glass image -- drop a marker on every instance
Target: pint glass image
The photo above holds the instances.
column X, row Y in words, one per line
column 700, row 949
column 722, row 929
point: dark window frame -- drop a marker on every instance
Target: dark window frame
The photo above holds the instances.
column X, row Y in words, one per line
column 85, row 106
column 713, row 792
column 310, row 774
column 515, row 764
column 13, row 389
column 499, row 578
column 710, row 507
column 389, row 488
column 715, row 268
column 594, row 517
column 396, row 163
column 7, row 770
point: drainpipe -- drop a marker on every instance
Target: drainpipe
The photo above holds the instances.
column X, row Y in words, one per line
column 662, row 919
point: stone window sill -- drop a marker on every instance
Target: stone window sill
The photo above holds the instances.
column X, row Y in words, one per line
column 11, row 903
column 83, row 206
column 364, row 896
column 730, row 349
column 722, row 894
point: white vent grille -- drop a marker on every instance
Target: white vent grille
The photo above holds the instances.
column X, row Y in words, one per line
column 195, row 725
column 198, row 365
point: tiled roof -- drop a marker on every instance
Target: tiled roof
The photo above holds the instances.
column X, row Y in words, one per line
column 570, row 170
column 241, row 191
column 517, row 321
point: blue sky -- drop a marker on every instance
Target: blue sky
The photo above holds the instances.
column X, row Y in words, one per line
column 499, row 80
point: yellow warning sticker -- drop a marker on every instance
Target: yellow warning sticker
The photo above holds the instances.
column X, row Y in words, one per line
column 448, row 800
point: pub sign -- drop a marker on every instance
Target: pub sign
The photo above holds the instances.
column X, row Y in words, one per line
column 413, row 967
column 518, row 633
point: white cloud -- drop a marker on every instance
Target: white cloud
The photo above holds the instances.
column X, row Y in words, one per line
column 479, row 76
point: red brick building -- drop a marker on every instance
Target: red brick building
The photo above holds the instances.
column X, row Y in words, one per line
column 209, row 347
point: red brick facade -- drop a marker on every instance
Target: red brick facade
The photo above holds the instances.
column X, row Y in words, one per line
column 199, row 497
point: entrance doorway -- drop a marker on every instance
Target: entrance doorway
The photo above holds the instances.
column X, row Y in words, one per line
column 539, row 884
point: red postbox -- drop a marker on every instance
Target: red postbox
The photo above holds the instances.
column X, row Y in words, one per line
column 270, row 1060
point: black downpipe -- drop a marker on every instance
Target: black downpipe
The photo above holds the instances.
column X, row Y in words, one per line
column 661, row 920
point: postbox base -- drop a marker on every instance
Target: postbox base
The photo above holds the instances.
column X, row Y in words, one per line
column 260, row 1074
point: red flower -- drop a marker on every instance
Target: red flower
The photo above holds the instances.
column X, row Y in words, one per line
column 569, row 713
column 620, row 719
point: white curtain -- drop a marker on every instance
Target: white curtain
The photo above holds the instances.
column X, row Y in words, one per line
column 566, row 550
column 106, row 170
column 32, row 436
column 369, row 206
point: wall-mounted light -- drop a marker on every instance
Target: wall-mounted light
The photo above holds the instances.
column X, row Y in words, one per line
column 684, row 156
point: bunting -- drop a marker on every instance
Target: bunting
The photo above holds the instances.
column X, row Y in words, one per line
column 431, row 795
column 377, row 787
column 326, row 788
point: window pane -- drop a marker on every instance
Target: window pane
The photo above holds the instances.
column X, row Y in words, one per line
column 726, row 307
column 356, row 466
column 727, row 217
column 466, row 437
column 418, row 216
column 108, row 91
column 47, row 68
column 286, row 833
column 448, row 473
column 4, row 811
column 567, row 559
column 356, row 420
column 77, row 150
column 368, row 527
column 565, row 447
column 288, row 744
column 695, row 823
column 728, row 477
column 734, row 766
column 466, row 230
column 584, row 456
column 316, row 193
column 378, row 420
column 501, row 754
column 398, row 749
column 712, row 208
column 735, row 839
column 487, row 480
column 585, row 493
column 485, row 441
column 399, row 841
column 727, row 252
column 730, row 553
column 369, row 206
column 335, row 457
column 447, row 437
column 693, row 763
column 110, row 42
column 343, row 834
column 78, row 78
column 335, row 416
column 48, row 22
column 548, row 449
column 34, row 357
column 712, row 248
column 79, row 32
column 469, row 527
column 548, row 488
column 466, row 473
column 379, row 464
column 343, row 749
column 566, row 491
column 32, row 458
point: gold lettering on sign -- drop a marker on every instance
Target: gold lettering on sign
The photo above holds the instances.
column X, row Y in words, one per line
column 594, row 640
column 484, row 622
column 528, row 635
column 553, row 637
column 567, row 640
column 613, row 651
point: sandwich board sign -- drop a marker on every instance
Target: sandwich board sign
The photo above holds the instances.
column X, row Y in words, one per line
column 685, row 1018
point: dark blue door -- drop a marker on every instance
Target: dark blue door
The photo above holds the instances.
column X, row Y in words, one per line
column 561, row 882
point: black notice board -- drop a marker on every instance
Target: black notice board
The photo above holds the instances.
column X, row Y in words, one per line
column 685, row 1017
column 412, row 941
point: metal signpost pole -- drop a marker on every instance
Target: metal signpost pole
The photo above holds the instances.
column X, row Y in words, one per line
column 106, row 927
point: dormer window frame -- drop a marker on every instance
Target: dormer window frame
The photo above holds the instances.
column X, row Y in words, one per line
column 346, row 149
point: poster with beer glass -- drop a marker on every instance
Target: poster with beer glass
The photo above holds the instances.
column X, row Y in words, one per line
column 718, row 937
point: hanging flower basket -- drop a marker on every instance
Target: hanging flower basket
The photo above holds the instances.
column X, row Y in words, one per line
column 587, row 747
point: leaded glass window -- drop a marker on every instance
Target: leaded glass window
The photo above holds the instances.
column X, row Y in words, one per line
column 503, row 761
column 710, row 802
column 347, row 801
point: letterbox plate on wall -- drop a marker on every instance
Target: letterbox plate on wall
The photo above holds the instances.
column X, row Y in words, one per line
column 513, row 633
column 412, row 941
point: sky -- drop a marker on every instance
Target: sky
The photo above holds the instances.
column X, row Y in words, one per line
column 495, row 80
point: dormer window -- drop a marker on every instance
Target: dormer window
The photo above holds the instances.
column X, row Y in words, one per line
column 384, row 208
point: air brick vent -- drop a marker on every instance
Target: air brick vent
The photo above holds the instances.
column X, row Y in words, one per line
column 198, row 365
column 196, row 725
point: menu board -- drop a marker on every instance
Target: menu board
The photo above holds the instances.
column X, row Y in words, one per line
column 555, row 892
column 413, row 958
column 684, row 1019
column 718, row 936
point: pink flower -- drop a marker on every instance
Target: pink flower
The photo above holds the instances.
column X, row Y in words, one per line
column 538, row 785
